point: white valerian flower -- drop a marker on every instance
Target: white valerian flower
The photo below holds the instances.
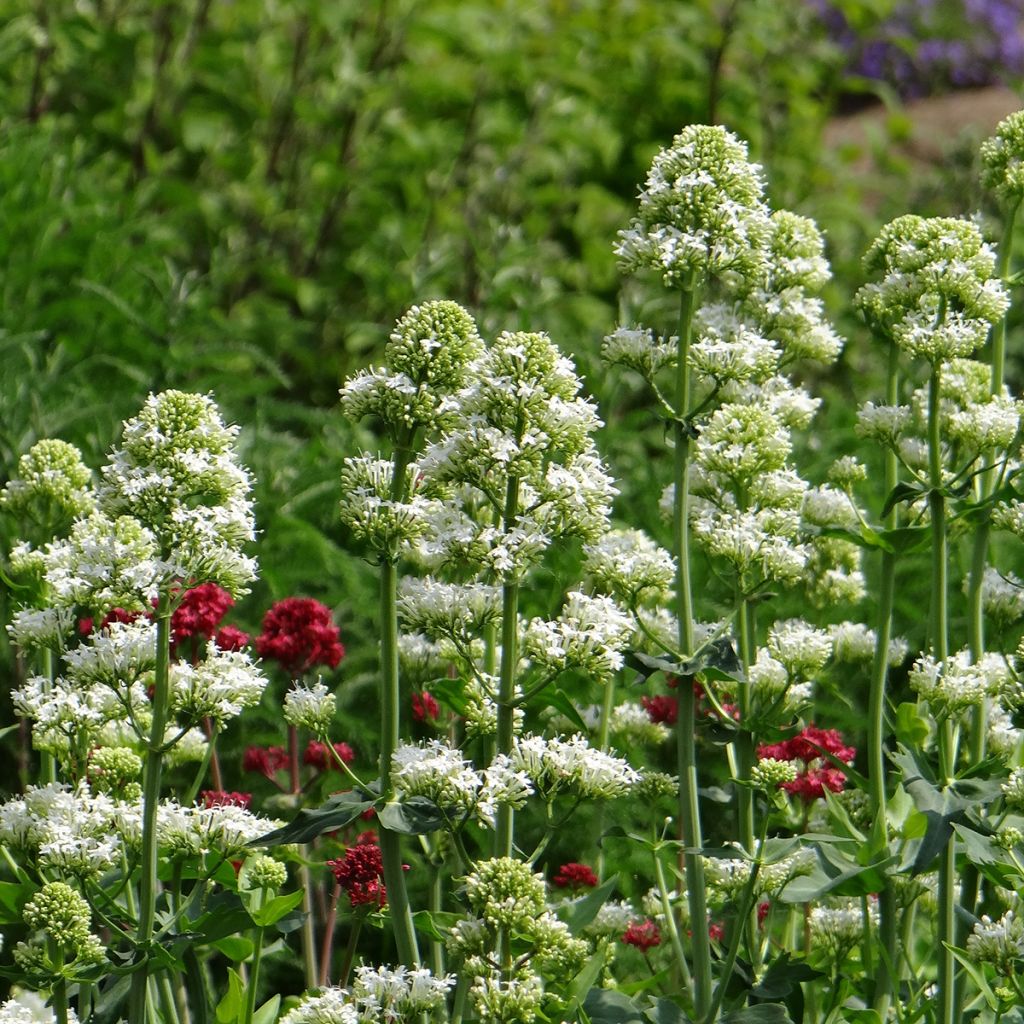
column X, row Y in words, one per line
column 629, row 566
column 455, row 611
column 218, row 687
column 395, row 993
column 1003, row 737
column 763, row 539
column 41, row 629
column 310, row 707
column 960, row 683
column 589, row 635
column 225, row 829
column 855, row 642
column 883, row 423
column 1002, row 161
column 369, row 506
column 829, row 508
column 497, row 1000
column 328, row 1006
column 631, row 724
column 1002, row 597
column 999, row 943
column 800, row 647
column 742, row 442
column 435, row 770
column 638, row 349
column 613, row 918
column 52, row 485
column 117, row 655
column 176, row 473
column 838, row 928
column 558, row 765
column 502, row 784
column 726, row 347
column 701, row 211
column 986, row 426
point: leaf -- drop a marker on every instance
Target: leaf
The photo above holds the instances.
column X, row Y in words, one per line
column 231, row 1007
column 449, row 692
column 583, row 910
column 337, row 812
column 234, row 947
column 560, row 701
column 583, row 981
column 764, row 1013
column 664, row 1011
column 13, row 897
column 902, row 492
column 782, row 976
column 427, row 921
column 195, row 987
column 606, row 1006
column 416, row 816
column 267, row 1013
column 275, row 909
column 225, row 915
column 911, row 727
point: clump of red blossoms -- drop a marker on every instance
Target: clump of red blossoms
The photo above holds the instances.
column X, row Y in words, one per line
column 644, row 935
column 200, row 613
column 230, row 638
column 318, row 756
column 360, row 872
column 663, row 709
column 818, row 774
column 265, row 760
column 85, row 626
column 299, row 633
column 424, row 707
column 574, row 876
column 222, row 798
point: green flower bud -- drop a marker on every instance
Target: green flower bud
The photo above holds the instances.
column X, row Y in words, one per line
column 263, row 872
column 115, row 770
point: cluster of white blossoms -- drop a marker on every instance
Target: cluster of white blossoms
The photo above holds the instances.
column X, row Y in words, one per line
column 589, row 635
column 435, row 770
column 177, row 475
column 839, row 927
column 448, row 611
column 377, row 994
column 310, row 707
column 629, row 566
column 1002, row 170
column 999, row 943
column 961, row 683
column 854, row 642
column 572, row 766
column 219, row 687
column 727, row 877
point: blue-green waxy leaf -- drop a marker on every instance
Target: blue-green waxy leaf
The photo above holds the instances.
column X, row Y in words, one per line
column 414, row 816
column 337, row 812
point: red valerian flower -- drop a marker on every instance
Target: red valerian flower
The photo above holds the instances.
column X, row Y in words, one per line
column 644, row 935
column 716, row 931
column 299, row 633
column 424, row 707
column 265, row 760
column 200, row 613
column 360, row 872
column 222, row 798
column 574, row 876
column 230, row 638
column 318, row 756
column 85, row 626
column 762, row 911
column 663, row 709
column 818, row 774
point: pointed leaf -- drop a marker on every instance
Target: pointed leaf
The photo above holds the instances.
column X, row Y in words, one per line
column 337, row 812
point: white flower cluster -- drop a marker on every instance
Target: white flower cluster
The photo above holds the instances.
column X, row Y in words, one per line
column 42, row 629
column 836, row 929
column 176, row 473
column 377, row 994
column 589, row 635
column 727, row 877
column 629, row 566
column 999, row 943
column 310, row 707
column 961, row 684
column 572, row 766
column 800, row 647
column 452, row 611
column 854, row 642
column 52, row 486
column 219, row 687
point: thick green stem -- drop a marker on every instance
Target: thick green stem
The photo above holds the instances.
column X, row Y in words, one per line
column 689, row 807
column 60, row 985
column 47, row 762
column 940, row 649
column 507, row 674
column 150, row 803
column 670, row 920
column 390, row 846
column 607, row 701
column 885, row 980
column 254, row 977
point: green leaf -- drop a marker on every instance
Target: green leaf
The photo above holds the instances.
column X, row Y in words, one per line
column 449, row 692
column 435, row 924
column 664, row 1011
column 415, row 816
column 606, row 1006
column 231, row 1007
column 782, row 976
column 234, row 947
column 267, row 1013
column 764, row 1013
column 911, row 727
column 337, row 812
column 273, row 910
column 13, row 897
column 583, row 981
column 560, row 701
column 902, row 492
column 584, row 909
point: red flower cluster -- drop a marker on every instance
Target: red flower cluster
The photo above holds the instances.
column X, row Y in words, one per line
column 716, row 931
column 424, row 707
column 574, row 876
column 360, row 873
column 812, row 782
column 643, row 934
column 200, row 612
column 265, row 760
column 299, row 633
column 318, row 756
column 85, row 626
column 230, row 638
column 663, row 709
column 222, row 798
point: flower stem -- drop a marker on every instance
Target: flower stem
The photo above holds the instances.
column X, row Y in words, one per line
column 507, row 674
column 47, row 762
column 254, row 977
column 689, row 807
column 150, row 804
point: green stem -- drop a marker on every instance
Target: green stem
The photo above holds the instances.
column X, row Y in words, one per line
column 689, row 807
column 507, row 674
column 602, row 741
column 211, row 742
column 150, row 804
column 435, row 904
column 47, row 762
column 940, row 648
column 60, row 985
column 168, row 1003
column 885, row 980
column 254, row 977
column 744, row 745
column 670, row 921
